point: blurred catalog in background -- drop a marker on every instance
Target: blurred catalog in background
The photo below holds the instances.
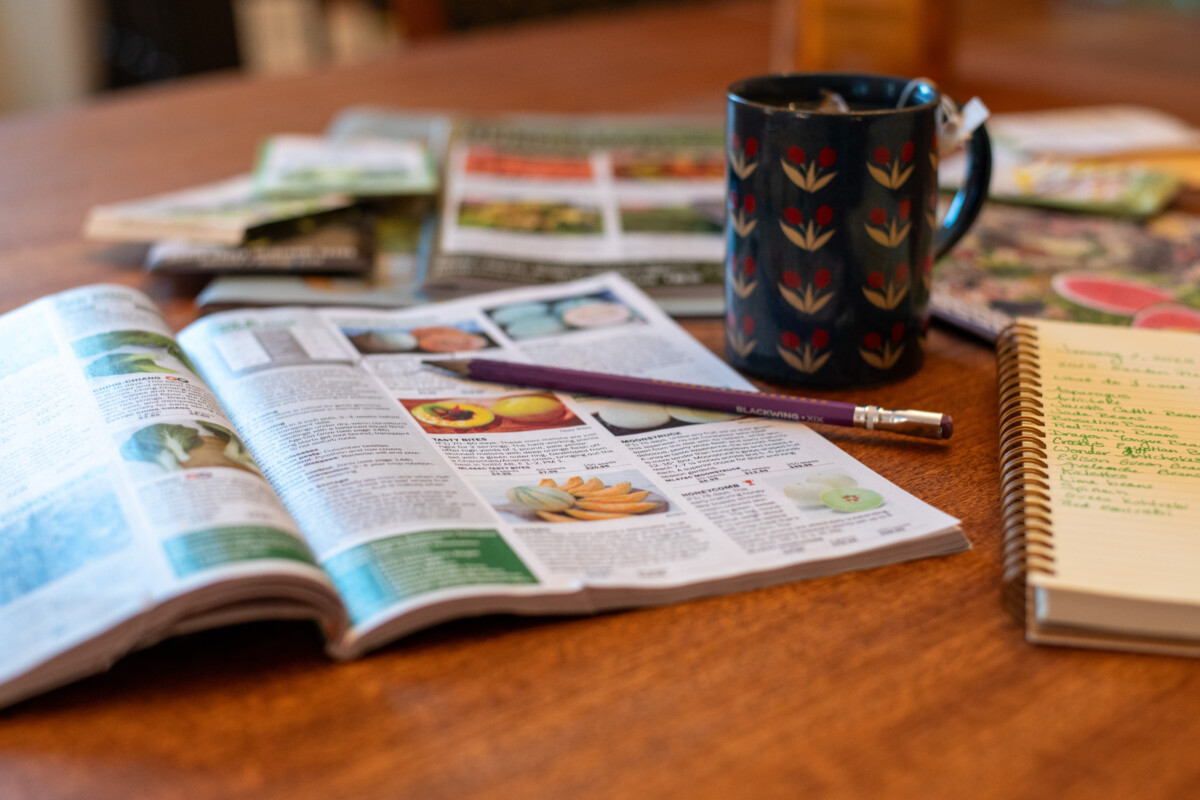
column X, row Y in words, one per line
column 1117, row 160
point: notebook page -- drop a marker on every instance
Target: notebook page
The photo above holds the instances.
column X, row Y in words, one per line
column 1122, row 417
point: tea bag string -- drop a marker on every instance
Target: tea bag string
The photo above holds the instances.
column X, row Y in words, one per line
column 954, row 125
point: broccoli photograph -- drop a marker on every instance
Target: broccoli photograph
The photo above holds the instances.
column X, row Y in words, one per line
column 234, row 449
column 197, row 445
column 124, row 364
column 125, row 352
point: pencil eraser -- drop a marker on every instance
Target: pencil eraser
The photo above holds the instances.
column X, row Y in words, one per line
column 947, row 426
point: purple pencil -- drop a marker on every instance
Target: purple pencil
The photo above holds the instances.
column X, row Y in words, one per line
column 926, row 424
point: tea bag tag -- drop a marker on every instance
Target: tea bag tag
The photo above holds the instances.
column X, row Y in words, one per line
column 955, row 125
column 958, row 128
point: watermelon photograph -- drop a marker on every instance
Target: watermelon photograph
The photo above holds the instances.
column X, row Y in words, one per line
column 1057, row 265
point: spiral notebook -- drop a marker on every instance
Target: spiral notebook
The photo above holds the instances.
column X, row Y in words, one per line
column 1100, row 483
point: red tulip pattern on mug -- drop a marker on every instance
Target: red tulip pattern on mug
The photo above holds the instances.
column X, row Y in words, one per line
column 832, row 228
column 811, row 224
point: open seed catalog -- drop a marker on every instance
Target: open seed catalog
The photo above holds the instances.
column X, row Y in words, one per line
column 307, row 463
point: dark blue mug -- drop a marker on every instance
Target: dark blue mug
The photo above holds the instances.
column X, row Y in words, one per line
column 832, row 227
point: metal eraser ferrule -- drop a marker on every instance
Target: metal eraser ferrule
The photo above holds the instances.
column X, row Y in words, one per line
column 926, row 424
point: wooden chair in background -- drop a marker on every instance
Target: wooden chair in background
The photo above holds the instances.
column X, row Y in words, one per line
column 892, row 37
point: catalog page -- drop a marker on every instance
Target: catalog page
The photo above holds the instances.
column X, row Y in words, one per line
column 536, row 200
column 123, row 485
column 425, row 495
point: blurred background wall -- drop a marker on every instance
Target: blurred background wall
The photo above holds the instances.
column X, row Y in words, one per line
column 58, row 52
column 48, row 52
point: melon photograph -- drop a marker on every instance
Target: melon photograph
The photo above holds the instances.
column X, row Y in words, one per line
column 510, row 413
column 539, row 318
column 459, row 337
column 827, row 490
column 626, row 417
column 602, row 497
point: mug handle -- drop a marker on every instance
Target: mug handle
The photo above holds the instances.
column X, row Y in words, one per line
column 969, row 199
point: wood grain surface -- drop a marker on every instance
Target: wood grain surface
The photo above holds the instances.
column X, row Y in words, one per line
column 904, row 681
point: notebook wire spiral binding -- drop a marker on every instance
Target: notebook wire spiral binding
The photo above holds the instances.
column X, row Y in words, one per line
column 1028, row 545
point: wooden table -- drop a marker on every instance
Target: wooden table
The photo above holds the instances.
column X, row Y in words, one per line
column 895, row 682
